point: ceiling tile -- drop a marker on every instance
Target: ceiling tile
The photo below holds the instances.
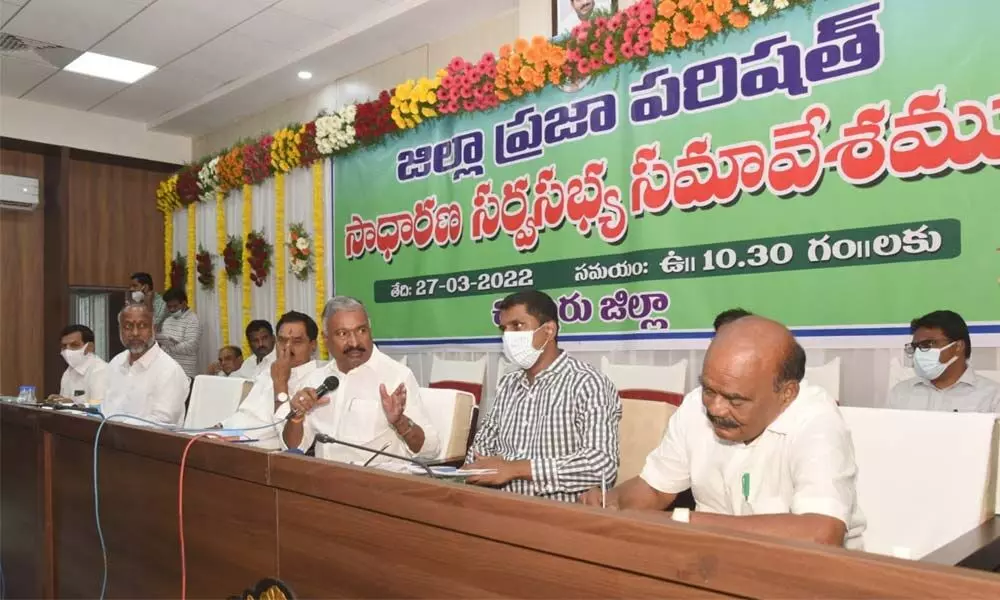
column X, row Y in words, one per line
column 17, row 2
column 73, row 23
column 18, row 76
column 73, row 90
column 231, row 56
column 335, row 14
column 7, row 10
column 285, row 29
column 159, row 93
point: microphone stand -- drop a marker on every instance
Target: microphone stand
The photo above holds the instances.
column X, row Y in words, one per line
column 322, row 438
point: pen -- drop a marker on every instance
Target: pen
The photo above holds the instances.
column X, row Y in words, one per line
column 746, row 487
column 603, row 493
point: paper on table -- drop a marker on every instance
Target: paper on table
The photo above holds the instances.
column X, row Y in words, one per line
column 450, row 471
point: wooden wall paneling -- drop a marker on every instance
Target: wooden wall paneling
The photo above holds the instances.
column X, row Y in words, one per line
column 230, row 527
column 56, row 217
column 116, row 229
column 329, row 550
column 22, row 250
column 22, row 546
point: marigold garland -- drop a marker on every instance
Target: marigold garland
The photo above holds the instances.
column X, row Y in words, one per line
column 594, row 46
column 221, row 246
column 192, row 241
column 168, row 246
column 246, row 224
column 319, row 227
column 279, row 243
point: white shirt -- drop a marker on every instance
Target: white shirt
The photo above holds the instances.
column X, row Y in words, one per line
column 355, row 414
column 257, row 409
column 153, row 387
column 185, row 331
column 802, row 463
column 87, row 384
column 252, row 368
column 971, row 393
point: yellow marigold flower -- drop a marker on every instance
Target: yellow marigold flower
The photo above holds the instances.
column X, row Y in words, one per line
column 429, row 112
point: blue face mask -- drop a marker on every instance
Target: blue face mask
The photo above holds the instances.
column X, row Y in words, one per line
column 928, row 365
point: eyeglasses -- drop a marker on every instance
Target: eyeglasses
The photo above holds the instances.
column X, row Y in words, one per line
column 143, row 326
column 924, row 346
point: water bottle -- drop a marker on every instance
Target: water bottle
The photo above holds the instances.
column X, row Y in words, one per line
column 26, row 394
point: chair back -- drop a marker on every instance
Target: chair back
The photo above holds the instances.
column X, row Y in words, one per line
column 827, row 377
column 670, row 378
column 641, row 429
column 897, row 374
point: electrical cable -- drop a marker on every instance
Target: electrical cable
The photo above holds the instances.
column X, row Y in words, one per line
column 180, row 508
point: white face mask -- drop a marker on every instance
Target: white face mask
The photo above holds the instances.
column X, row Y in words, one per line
column 518, row 349
column 928, row 365
column 138, row 297
column 75, row 358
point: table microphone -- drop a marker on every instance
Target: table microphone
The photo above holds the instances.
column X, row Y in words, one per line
column 322, row 438
column 329, row 384
column 90, row 410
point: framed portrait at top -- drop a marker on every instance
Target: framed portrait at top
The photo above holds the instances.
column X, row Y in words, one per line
column 567, row 14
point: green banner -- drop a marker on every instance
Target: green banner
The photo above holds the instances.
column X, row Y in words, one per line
column 836, row 166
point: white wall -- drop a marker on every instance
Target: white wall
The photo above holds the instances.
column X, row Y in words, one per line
column 533, row 17
column 45, row 123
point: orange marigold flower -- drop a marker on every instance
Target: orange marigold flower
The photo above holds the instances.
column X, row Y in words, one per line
column 517, row 90
column 738, row 19
column 539, row 41
column 534, row 55
column 678, row 39
column 681, row 23
column 699, row 11
column 500, row 81
column 697, row 31
column 505, row 50
column 502, row 96
column 684, row 3
column 520, row 45
column 515, row 63
column 723, row 7
column 666, row 9
column 743, row 2
column 714, row 22
column 555, row 77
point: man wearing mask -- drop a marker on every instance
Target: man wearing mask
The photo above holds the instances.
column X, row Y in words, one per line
column 763, row 451
column 140, row 289
column 143, row 381
column 181, row 332
column 260, row 336
column 941, row 348
column 85, row 380
column 377, row 404
column 297, row 335
column 230, row 361
column 553, row 428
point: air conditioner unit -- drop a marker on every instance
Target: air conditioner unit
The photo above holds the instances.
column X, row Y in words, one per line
column 18, row 193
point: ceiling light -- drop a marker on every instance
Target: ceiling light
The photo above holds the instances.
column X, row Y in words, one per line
column 305, row 75
column 109, row 67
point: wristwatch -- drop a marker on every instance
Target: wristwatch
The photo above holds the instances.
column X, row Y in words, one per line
column 282, row 397
column 408, row 422
column 681, row 515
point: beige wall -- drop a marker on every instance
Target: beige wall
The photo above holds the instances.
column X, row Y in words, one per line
column 532, row 17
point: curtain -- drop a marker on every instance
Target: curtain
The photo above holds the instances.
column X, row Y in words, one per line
column 91, row 309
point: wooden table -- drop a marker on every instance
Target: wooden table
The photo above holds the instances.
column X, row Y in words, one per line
column 329, row 530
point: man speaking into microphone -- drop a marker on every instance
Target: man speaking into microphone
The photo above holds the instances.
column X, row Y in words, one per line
column 376, row 405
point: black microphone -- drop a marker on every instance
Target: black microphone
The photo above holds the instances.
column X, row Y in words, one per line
column 329, row 384
column 74, row 407
column 322, row 438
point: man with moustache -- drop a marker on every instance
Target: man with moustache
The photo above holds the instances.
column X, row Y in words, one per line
column 377, row 404
column 143, row 381
column 297, row 334
column 260, row 336
column 763, row 451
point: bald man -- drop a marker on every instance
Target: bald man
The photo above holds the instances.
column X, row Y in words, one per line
column 763, row 451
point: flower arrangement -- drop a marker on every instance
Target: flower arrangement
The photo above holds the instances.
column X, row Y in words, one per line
column 412, row 102
column 232, row 259
column 374, row 119
column 594, row 46
column 260, row 257
column 188, row 189
column 526, row 66
column 285, row 154
column 178, row 271
column 257, row 160
column 206, row 269
column 208, row 178
column 229, row 169
column 300, row 254
column 467, row 87
column 305, row 142
column 335, row 132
